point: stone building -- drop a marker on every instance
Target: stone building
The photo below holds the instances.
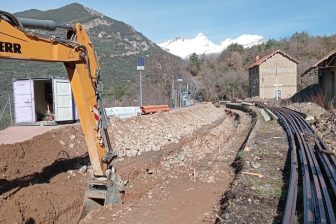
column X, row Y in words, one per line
column 326, row 70
column 273, row 75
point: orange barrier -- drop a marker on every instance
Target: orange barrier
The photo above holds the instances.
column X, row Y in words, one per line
column 150, row 109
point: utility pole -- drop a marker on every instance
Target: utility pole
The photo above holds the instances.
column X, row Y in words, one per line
column 140, row 89
column 173, row 94
column 180, row 79
column 276, row 82
column 141, row 67
column 180, row 94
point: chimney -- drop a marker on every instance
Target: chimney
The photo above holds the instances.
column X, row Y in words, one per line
column 257, row 58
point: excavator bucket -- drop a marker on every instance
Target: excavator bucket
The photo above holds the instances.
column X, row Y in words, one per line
column 102, row 192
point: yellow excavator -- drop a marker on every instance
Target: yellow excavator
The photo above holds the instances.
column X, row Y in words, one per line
column 18, row 40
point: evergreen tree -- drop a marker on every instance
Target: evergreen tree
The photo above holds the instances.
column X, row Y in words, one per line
column 194, row 65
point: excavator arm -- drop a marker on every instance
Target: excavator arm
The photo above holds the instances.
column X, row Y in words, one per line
column 79, row 57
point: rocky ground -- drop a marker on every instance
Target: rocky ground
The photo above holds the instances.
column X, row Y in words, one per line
column 310, row 109
column 185, row 166
column 134, row 136
column 183, row 182
column 325, row 126
column 258, row 193
column 176, row 166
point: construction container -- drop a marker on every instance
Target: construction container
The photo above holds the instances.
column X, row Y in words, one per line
column 43, row 101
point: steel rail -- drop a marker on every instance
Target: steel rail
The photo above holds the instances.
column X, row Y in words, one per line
column 317, row 165
column 316, row 211
column 308, row 216
column 327, row 161
column 324, row 200
column 289, row 213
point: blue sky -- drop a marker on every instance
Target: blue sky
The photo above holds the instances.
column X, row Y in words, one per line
column 161, row 20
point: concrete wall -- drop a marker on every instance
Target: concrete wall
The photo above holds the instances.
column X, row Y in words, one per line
column 286, row 71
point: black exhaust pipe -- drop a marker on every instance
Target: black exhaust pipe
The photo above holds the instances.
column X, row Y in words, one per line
column 49, row 25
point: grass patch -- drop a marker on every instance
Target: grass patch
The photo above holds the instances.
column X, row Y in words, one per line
column 266, row 190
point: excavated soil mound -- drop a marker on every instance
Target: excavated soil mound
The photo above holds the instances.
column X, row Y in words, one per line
column 35, row 186
column 134, row 136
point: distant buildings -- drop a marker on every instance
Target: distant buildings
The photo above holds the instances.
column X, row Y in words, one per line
column 273, row 75
column 326, row 70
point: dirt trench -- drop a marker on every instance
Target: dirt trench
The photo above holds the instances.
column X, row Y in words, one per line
column 40, row 180
column 182, row 183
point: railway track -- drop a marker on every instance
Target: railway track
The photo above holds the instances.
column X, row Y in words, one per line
column 312, row 185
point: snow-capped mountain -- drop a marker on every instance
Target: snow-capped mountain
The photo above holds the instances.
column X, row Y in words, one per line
column 202, row 45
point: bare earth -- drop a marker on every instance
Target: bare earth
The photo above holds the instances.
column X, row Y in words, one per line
column 35, row 186
column 182, row 182
column 253, row 198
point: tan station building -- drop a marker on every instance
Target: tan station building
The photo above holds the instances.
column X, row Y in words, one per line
column 272, row 76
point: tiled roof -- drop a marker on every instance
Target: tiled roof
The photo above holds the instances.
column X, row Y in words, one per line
column 263, row 59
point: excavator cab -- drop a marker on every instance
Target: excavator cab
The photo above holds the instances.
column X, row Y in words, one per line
column 76, row 51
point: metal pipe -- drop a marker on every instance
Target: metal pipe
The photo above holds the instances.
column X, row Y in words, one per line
column 317, row 198
column 49, row 25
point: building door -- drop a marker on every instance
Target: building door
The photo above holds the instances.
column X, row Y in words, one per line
column 277, row 94
column 62, row 100
column 24, row 104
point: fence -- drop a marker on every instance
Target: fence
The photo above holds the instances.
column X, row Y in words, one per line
column 6, row 115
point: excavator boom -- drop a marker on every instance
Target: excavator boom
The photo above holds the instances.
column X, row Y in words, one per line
column 79, row 57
